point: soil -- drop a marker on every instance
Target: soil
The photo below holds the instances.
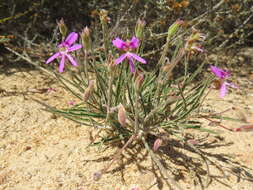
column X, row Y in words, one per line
column 42, row 151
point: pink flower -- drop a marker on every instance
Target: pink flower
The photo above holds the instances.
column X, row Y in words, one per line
column 71, row 103
column 64, row 48
column 222, row 75
column 127, row 47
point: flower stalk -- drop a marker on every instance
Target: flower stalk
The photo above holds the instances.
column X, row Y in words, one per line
column 105, row 19
column 110, row 85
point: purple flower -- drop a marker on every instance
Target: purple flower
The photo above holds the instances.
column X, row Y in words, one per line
column 64, row 48
column 128, row 47
column 222, row 75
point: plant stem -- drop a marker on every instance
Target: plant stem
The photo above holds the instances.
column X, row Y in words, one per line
column 105, row 37
column 119, row 153
column 85, row 65
column 109, row 95
column 159, row 164
column 136, row 111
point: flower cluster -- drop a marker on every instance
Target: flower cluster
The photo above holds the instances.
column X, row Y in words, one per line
column 67, row 46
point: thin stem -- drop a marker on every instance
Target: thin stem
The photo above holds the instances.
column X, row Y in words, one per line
column 222, row 126
column 136, row 111
column 105, row 37
column 119, row 153
column 85, row 64
column 204, row 98
column 109, row 95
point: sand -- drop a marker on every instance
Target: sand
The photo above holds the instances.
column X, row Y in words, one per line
column 41, row 151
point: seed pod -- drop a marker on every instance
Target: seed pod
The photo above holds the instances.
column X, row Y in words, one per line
column 139, row 28
column 158, row 142
column 62, row 27
column 88, row 90
column 122, row 115
column 139, row 80
column 86, row 40
column 104, row 18
column 111, row 61
column 174, row 28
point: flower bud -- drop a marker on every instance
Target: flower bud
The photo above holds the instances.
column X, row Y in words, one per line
column 174, row 28
column 104, row 18
column 158, row 142
column 110, row 61
column 122, row 115
column 86, row 40
column 139, row 28
column 62, row 27
column 139, row 80
column 88, row 90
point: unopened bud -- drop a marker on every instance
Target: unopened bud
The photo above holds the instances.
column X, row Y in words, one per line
column 62, row 27
column 139, row 28
column 110, row 61
column 174, row 28
column 157, row 144
column 88, row 90
column 122, row 115
column 139, row 80
column 104, row 18
column 86, row 40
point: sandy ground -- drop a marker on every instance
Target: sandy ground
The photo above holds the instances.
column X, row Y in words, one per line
column 41, row 151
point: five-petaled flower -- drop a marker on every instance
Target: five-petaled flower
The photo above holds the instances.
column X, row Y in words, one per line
column 64, row 49
column 222, row 83
column 128, row 47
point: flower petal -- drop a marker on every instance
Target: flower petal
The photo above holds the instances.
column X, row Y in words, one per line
column 119, row 43
column 219, row 72
column 223, row 90
column 74, row 47
column 231, row 84
column 72, row 37
column 136, row 57
column 72, row 60
column 198, row 48
column 53, row 57
column 134, row 43
column 131, row 63
column 121, row 58
column 61, row 66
